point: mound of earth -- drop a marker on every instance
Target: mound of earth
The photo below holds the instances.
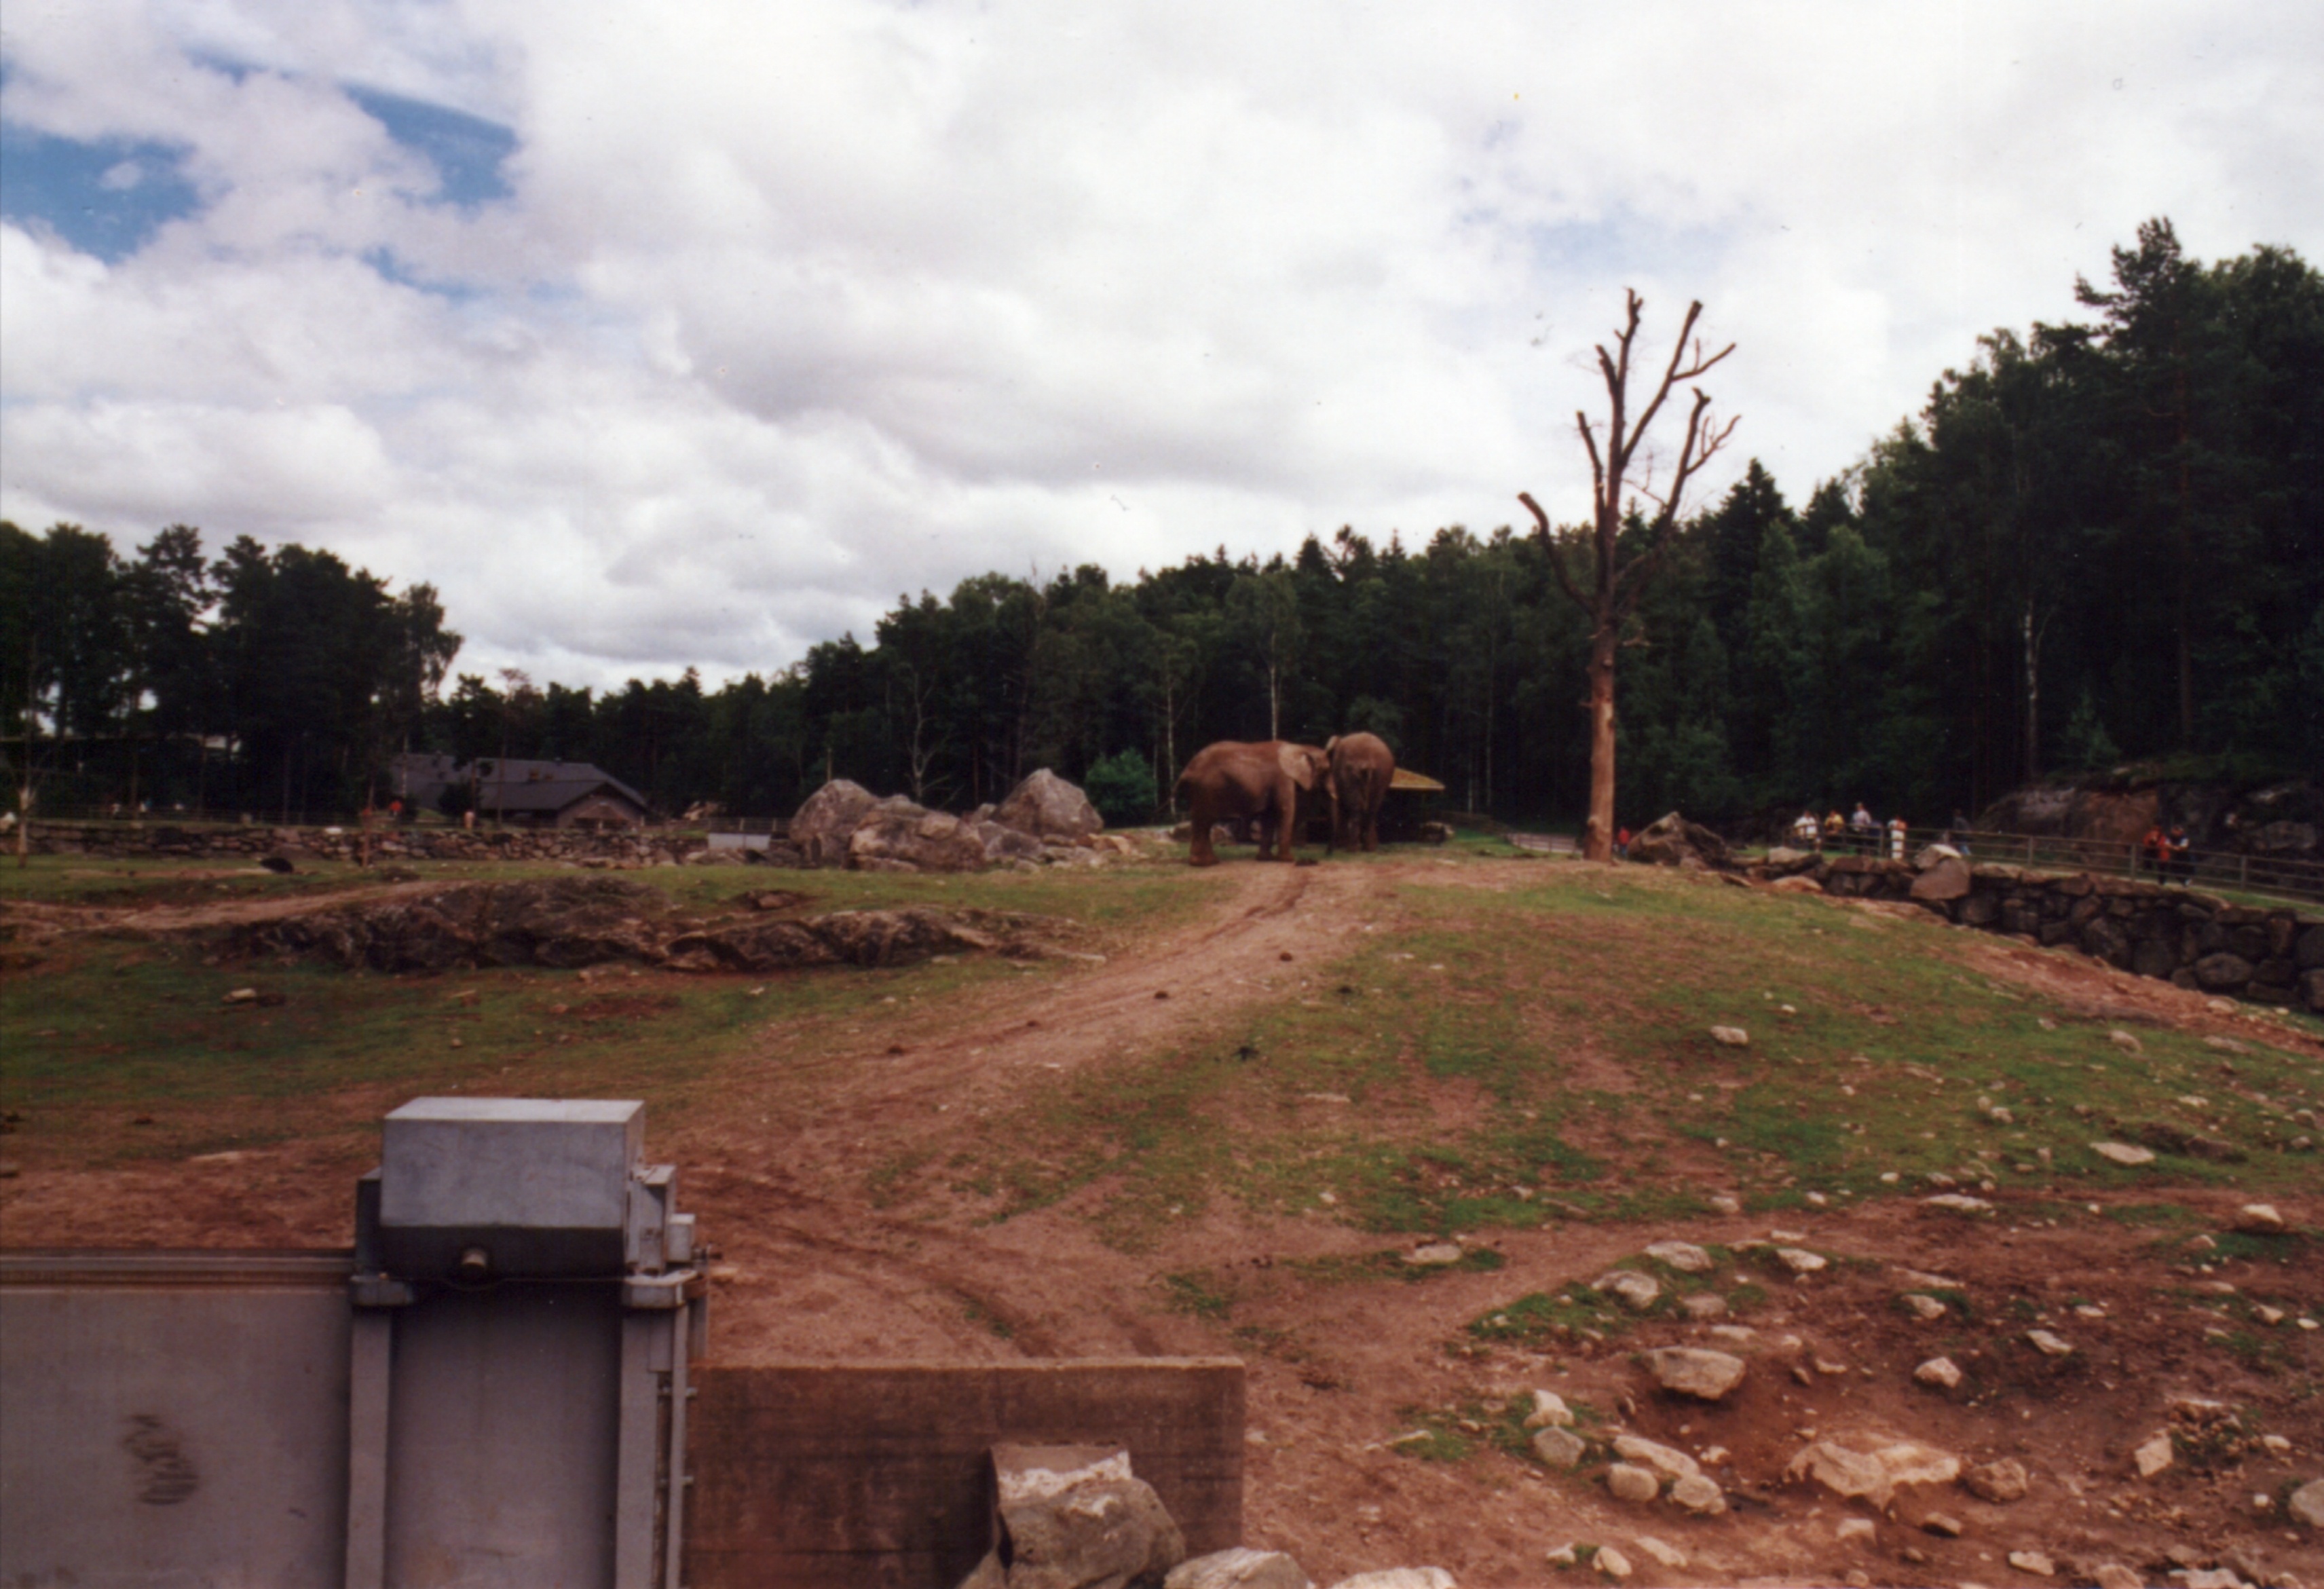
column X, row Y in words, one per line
column 564, row 923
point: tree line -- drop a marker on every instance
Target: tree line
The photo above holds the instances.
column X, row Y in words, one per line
column 2099, row 540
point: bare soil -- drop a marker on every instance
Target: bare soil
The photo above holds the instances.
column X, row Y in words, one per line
column 808, row 1265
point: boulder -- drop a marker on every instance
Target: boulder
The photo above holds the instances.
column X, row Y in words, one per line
column 1872, row 1476
column 1549, row 1409
column 927, row 841
column 821, row 827
column 1401, row 1578
column 1674, row 841
column 1238, row 1568
column 1699, row 1494
column 1047, row 807
column 1692, row 1371
column 1004, row 844
column 2306, row 1507
column 1074, row 1516
column 1945, row 878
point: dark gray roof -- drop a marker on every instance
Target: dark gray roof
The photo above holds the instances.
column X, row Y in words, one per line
column 516, row 785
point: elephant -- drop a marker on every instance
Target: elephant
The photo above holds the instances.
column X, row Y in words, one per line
column 1362, row 769
column 1232, row 779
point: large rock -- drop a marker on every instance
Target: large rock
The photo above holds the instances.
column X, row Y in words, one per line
column 1692, row 1371
column 1074, row 1516
column 1238, row 1568
column 1666, row 1462
column 896, row 831
column 1947, row 877
column 1400, row 1578
column 1872, row 1476
column 1674, row 841
column 821, row 827
column 2307, row 1504
column 1005, row 844
column 1047, row 807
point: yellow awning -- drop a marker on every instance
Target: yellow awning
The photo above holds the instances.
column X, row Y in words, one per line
column 1406, row 778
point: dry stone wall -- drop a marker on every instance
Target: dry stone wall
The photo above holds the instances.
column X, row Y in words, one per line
column 2270, row 956
column 116, row 841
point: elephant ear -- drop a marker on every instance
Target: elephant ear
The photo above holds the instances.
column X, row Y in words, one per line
column 1298, row 765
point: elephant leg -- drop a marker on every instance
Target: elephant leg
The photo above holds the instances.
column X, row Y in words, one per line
column 1199, row 852
column 1286, row 844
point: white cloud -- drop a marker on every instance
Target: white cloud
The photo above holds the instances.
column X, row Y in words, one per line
column 796, row 307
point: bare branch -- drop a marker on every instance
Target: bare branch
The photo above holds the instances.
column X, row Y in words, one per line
column 1555, row 555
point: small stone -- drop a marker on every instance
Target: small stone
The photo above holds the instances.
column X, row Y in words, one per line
column 1856, row 1531
column 2154, row 1455
column 1662, row 1551
column 1703, row 1306
column 2113, row 1574
column 1632, row 1483
column 2033, row 1561
column 1699, row 1495
column 1559, row 1448
column 1942, row 1373
column 2306, row 1506
column 1683, row 1256
column 2270, row 1316
column 1400, row 1578
column 1692, row 1371
column 1925, row 1307
column 1800, row 1261
column 1725, row 1203
column 1634, row 1290
column 1429, row 1254
column 1611, row 1562
column 1548, row 1408
column 1562, row 1555
column 243, row 996
column 2049, row 1344
column 1857, row 1579
column 2000, row 1482
column 1941, row 1523
column 2259, row 1219
column 1730, row 1037
column 2277, row 1445
column 2125, row 1042
column 1958, row 1203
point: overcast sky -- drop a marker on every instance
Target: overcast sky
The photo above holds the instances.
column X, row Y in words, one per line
column 659, row 334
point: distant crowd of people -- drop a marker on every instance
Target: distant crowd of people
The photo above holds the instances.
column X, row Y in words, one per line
column 1859, row 833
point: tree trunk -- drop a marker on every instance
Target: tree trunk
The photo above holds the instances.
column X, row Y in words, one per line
column 1598, row 836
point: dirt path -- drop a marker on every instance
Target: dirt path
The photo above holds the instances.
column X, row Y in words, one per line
column 42, row 919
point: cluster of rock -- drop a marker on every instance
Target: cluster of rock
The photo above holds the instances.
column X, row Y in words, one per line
column 1674, row 841
column 568, row 922
column 1076, row 1517
column 1043, row 820
column 2273, row 955
column 122, row 841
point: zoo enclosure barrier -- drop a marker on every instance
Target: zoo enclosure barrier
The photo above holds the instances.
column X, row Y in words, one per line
column 2287, row 877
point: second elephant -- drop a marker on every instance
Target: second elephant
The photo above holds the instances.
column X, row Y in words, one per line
column 1362, row 769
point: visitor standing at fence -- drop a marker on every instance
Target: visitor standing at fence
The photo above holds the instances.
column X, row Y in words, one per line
column 2156, row 849
column 1803, row 831
column 1896, row 831
column 2183, row 866
column 1864, row 833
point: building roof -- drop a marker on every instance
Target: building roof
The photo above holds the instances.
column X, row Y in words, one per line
column 1406, row 778
column 516, row 785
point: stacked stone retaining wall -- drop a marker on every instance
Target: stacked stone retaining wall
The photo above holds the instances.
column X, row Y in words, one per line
column 2269, row 956
column 126, row 841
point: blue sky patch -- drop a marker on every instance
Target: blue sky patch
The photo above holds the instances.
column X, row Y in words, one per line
column 466, row 151
column 105, row 197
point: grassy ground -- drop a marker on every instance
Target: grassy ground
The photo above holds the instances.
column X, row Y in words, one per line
column 1542, row 1051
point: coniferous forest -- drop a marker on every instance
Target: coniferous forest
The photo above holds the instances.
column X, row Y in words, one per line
column 2100, row 540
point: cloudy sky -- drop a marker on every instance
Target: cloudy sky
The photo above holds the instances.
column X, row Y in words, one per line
column 697, row 333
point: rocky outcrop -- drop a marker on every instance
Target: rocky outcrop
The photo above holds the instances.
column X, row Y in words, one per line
column 1674, row 841
column 2281, row 819
column 569, row 922
column 896, row 834
column 823, row 825
column 257, row 842
column 1043, row 820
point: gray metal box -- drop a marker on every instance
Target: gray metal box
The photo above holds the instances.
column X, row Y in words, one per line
column 542, row 1186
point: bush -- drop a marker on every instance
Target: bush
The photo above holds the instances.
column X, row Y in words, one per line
column 1122, row 787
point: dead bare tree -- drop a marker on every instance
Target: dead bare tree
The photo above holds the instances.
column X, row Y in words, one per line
column 1613, row 588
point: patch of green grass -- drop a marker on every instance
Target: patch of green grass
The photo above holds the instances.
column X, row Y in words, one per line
column 1541, row 1316
column 1455, row 1433
column 1199, row 1293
